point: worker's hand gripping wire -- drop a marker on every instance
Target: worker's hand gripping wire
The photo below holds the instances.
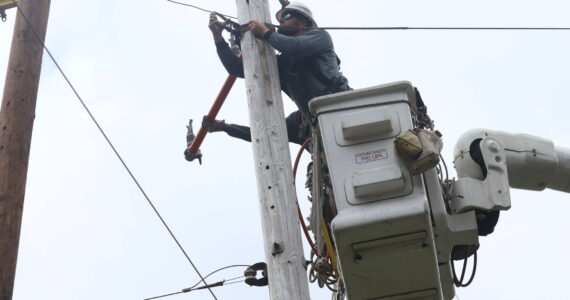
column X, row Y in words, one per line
column 216, row 27
column 235, row 29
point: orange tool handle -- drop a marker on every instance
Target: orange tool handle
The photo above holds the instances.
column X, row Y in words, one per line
column 222, row 95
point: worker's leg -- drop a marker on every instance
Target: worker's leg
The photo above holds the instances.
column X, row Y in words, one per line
column 296, row 132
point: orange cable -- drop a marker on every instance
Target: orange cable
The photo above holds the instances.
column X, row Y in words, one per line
column 301, row 220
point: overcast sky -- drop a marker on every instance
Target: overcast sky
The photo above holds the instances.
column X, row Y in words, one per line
column 145, row 67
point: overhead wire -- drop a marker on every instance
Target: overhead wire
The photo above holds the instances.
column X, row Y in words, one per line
column 440, row 28
column 218, row 270
column 393, row 27
column 188, row 290
column 199, row 8
column 35, row 33
column 165, row 295
column 216, row 284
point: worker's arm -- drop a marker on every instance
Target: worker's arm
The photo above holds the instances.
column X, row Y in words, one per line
column 312, row 42
column 297, row 132
column 308, row 44
column 231, row 62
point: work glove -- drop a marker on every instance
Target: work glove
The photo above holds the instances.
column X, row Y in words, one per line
column 216, row 27
column 211, row 125
column 258, row 28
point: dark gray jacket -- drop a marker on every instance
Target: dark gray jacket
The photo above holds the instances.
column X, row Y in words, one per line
column 308, row 68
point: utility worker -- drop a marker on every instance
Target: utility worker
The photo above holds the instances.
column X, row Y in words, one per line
column 308, row 67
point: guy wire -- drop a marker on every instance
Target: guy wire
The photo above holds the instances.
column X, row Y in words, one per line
column 37, row 36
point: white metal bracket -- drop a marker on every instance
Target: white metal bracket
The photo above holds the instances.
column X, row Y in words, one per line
column 492, row 193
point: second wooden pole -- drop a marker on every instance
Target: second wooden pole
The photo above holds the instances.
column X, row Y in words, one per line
column 16, row 122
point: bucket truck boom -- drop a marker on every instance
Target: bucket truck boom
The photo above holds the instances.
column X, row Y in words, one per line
column 396, row 232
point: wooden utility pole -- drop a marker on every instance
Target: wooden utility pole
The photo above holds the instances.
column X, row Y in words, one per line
column 281, row 234
column 16, row 123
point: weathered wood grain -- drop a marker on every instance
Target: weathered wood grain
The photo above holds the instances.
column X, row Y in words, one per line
column 287, row 276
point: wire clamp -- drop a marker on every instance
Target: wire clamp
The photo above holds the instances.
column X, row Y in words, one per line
column 251, row 275
column 235, row 29
column 190, row 137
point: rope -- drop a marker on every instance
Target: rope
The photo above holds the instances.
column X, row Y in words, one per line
column 109, row 141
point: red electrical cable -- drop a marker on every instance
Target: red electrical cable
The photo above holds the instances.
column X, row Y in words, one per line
column 298, row 158
column 301, row 220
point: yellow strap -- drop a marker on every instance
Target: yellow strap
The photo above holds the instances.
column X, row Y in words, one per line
column 329, row 245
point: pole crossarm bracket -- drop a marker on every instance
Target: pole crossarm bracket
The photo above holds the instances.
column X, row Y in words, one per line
column 4, row 5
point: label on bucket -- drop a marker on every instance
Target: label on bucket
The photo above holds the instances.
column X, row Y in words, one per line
column 370, row 156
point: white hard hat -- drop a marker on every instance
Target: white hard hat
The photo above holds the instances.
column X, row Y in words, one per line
column 300, row 8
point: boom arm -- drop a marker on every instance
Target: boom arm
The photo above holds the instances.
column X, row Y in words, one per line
column 533, row 163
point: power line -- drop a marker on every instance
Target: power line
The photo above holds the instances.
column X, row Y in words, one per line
column 110, row 144
column 199, row 8
column 395, row 27
column 188, row 290
column 218, row 270
column 216, row 284
column 443, row 28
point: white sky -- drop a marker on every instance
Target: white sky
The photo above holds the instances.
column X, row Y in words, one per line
column 146, row 67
